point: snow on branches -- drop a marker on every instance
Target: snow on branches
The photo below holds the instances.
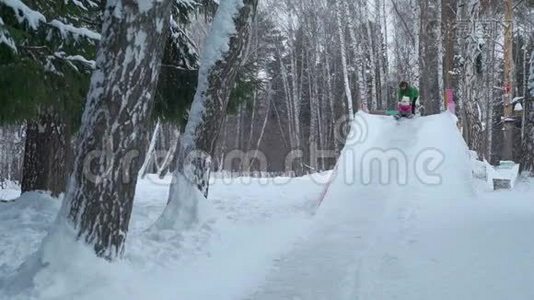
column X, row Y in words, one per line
column 76, row 32
column 5, row 37
column 34, row 19
column 25, row 14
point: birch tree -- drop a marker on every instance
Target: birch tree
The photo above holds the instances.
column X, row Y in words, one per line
column 341, row 35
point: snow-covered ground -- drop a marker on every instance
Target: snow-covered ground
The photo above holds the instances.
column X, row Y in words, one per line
column 254, row 222
column 427, row 231
column 9, row 191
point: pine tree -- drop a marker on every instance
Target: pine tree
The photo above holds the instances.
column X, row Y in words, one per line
column 48, row 91
column 46, row 51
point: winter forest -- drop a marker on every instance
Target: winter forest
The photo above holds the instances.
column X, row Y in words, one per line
column 226, row 149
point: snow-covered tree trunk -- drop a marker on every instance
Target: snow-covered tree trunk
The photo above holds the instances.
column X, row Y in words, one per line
column 470, row 78
column 112, row 138
column 221, row 59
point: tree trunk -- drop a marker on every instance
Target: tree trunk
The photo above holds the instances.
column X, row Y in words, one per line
column 288, row 100
column 527, row 161
column 341, row 35
column 448, row 18
column 112, row 140
column 373, row 105
column 46, row 155
column 470, row 79
column 508, row 132
column 388, row 101
column 167, row 164
column 216, row 79
column 429, row 58
column 11, row 153
column 528, row 141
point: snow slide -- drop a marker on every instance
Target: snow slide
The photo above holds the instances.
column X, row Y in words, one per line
column 389, row 172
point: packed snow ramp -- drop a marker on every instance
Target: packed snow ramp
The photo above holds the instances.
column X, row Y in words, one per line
column 388, row 172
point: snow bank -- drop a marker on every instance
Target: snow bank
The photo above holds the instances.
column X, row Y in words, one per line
column 9, row 190
column 23, row 224
column 253, row 222
column 477, row 248
column 188, row 211
column 505, row 175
